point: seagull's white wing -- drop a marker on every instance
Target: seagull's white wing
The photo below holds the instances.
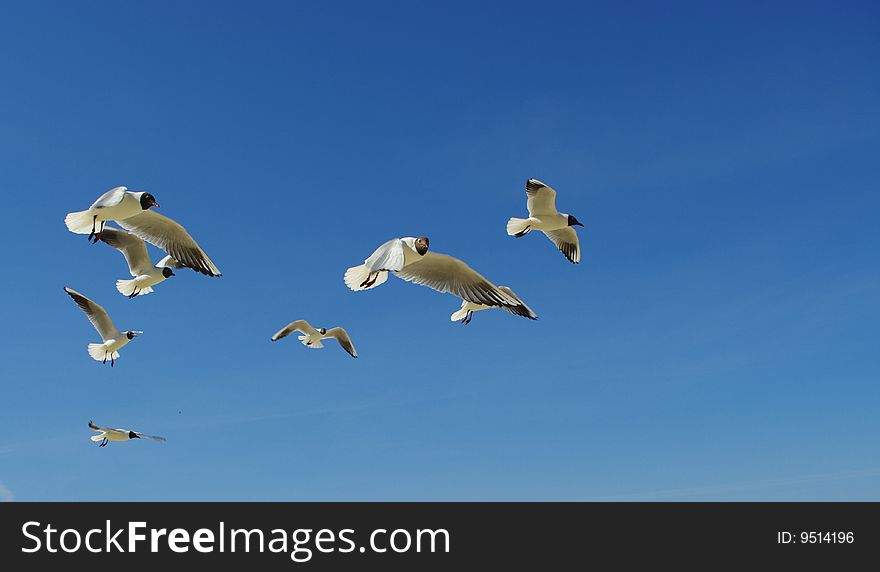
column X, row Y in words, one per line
column 169, row 262
column 153, row 437
column 95, row 313
column 447, row 274
column 133, row 248
column 566, row 240
column 297, row 326
column 172, row 238
column 342, row 337
column 389, row 256
column 542, row 199
column 110, row 199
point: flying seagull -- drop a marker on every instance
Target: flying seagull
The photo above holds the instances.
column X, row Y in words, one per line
column 465, row 314
column 409, row 259
column 543, row 216
column 312, row 337
column 113, row 338
column 135, row 251
column 168, row 235
column 116, row 204
column 104, row 435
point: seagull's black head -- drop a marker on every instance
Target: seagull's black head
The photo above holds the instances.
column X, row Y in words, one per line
column 322, row 331
column 422, row 245
column 131, row 335
column 148, row 200
column 573, row 221
column 167, row 273
column 133, row 435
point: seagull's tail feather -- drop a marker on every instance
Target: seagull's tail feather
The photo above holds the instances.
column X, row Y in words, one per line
column 459, row 315
column 99, row 353
column 517, row 226
column 79, row 222
column 97, row 438
column 128, row 288
column 357, row 276
column 314, row 345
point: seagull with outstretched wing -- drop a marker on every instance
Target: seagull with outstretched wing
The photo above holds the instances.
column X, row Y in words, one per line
column 543, row 216
column 311, row 337
column 105, row 434
column 409, row 259
column 113, row 338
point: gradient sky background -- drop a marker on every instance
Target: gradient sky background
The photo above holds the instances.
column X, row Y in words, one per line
column 719, row 339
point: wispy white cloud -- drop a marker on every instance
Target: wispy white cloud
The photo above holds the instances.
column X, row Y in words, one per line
column 5, row 494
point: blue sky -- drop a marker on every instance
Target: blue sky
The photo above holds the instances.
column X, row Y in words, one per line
column 718, row 340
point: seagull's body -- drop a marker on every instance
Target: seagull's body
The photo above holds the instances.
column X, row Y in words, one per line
column 312, row 337
column 139, row 266
column 106, row 434
column 409, row 259
column 113, row 339
column 171, row 237
column 116, row 204
column 543, row 216
column 465, row 314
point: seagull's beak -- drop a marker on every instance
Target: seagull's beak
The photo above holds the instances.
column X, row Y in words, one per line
column 578, row 224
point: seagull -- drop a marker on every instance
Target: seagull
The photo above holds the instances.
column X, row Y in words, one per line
column 409, row 259
column 168, row 235
column 312, row 337
column 543, row 216
column 113, row 338
column 116, row 204
column 105, row 435
column 135, row 251
column 467, row 310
